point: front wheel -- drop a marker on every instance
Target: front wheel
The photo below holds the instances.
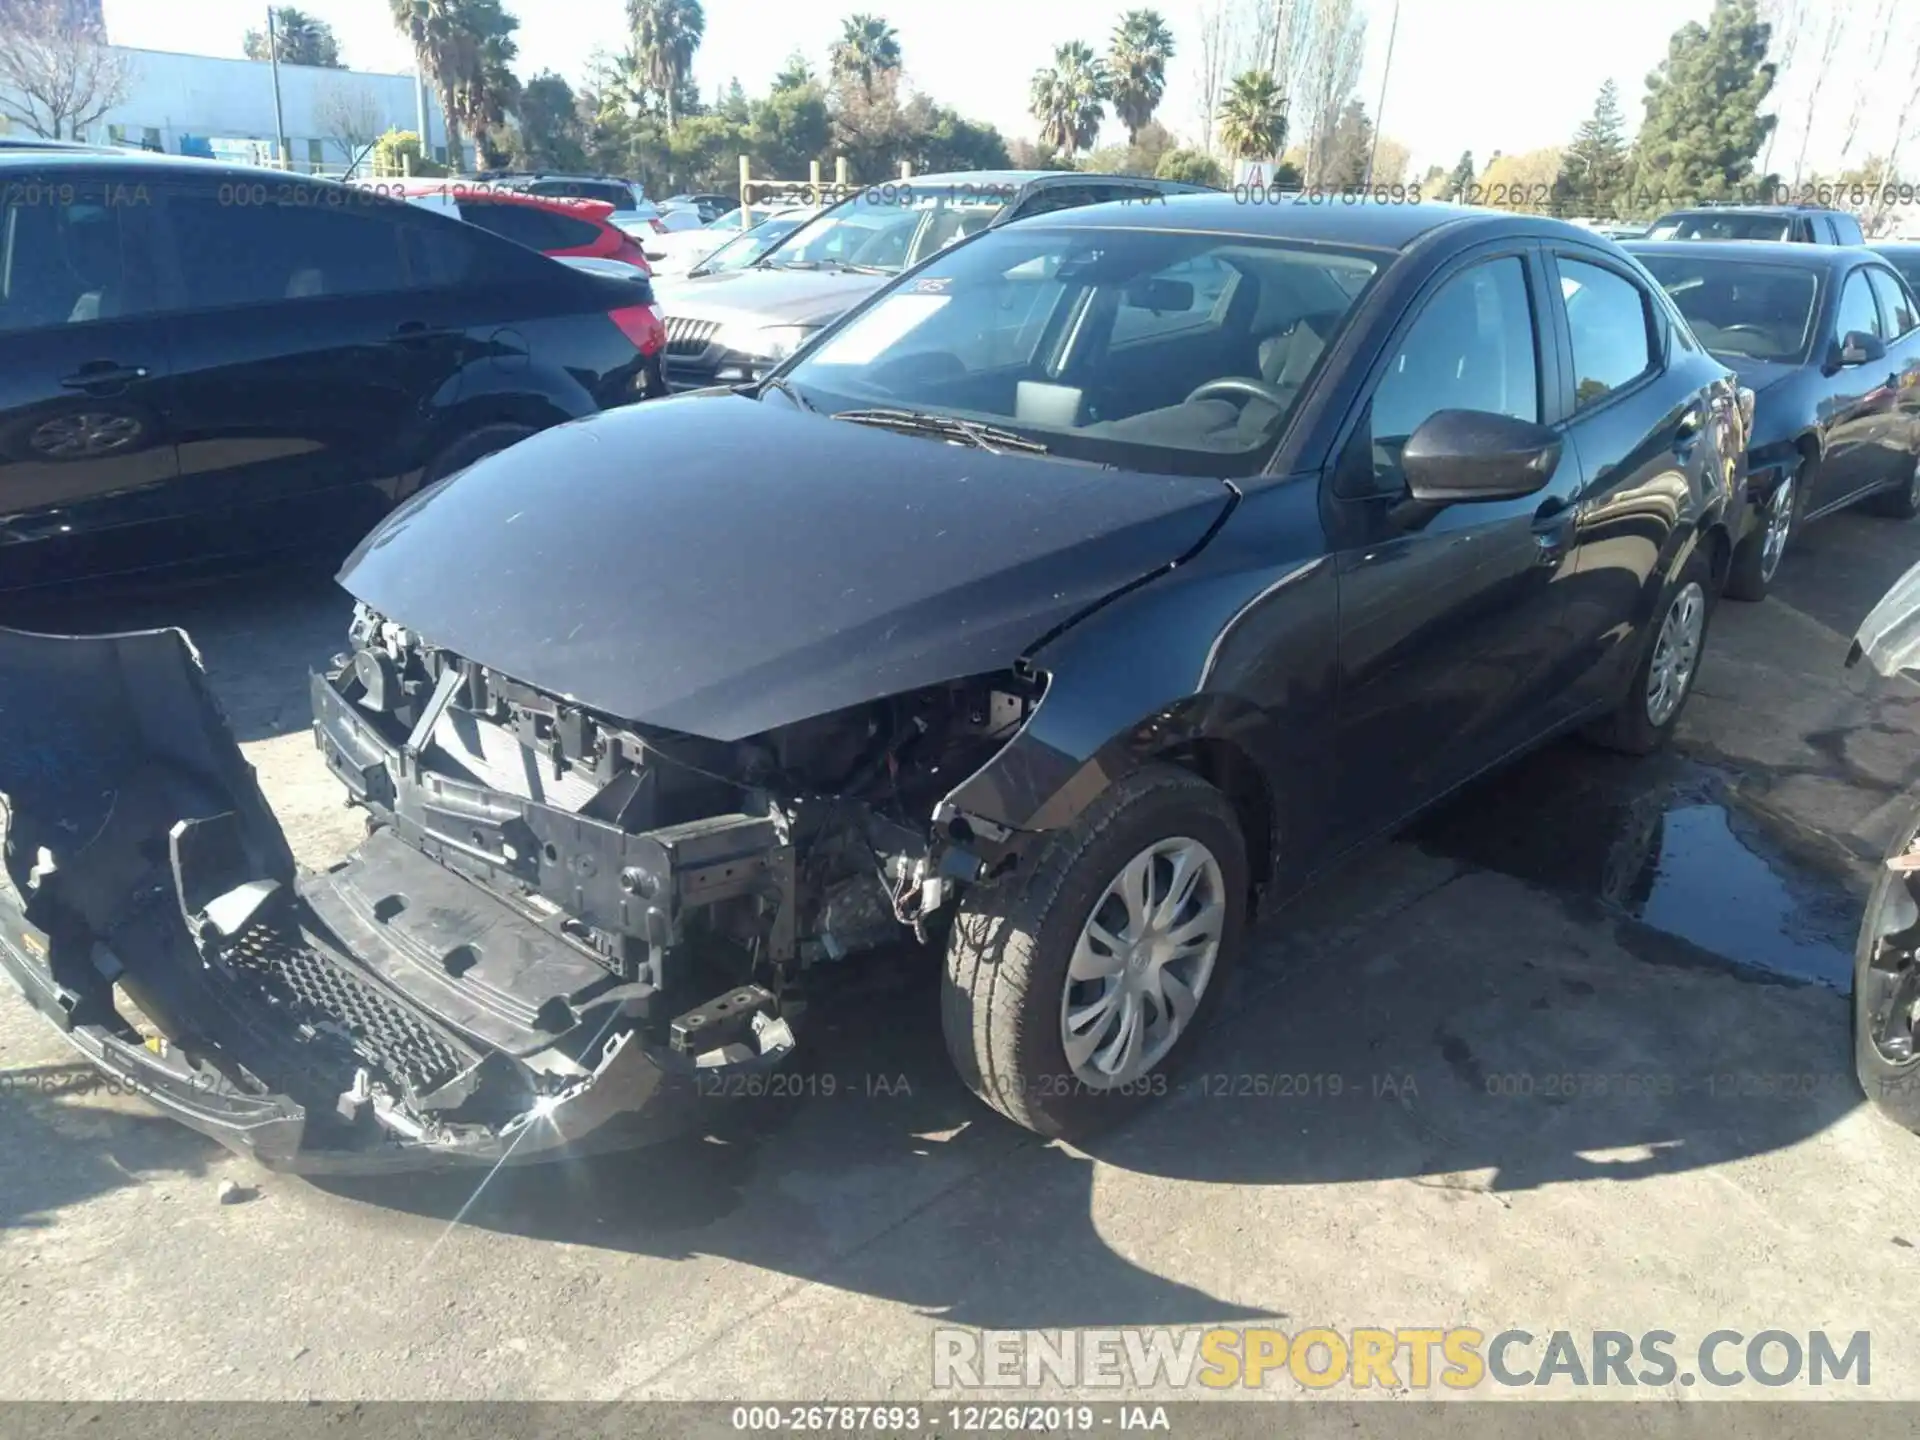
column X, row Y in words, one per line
column 1757, row 560
column 1650, row 710
column 1075, row 985
column 1886, row 989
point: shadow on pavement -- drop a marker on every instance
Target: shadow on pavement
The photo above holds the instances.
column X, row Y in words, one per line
column 1416, row 1018
column 63, row 1149
column 258, row 634
column 1837, row 569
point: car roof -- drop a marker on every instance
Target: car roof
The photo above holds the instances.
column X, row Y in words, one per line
column 1895, row 247
column 1364, row 224
column 1770, row 252
column 91, row 159
column 1753, row 210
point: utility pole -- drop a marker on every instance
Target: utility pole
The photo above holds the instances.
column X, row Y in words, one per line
column 1380, row 110
column 279, row 116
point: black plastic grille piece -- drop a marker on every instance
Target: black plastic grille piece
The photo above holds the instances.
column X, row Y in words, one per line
column 315, row 992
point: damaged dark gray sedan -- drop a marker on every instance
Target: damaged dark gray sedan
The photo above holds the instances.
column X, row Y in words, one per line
column 1109, row 575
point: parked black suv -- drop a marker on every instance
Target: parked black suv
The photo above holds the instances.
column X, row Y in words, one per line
column 1804, row 224
column 201, row 363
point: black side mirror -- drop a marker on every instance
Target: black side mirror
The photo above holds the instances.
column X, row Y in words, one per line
column 1857, row 347
column 1466, row 455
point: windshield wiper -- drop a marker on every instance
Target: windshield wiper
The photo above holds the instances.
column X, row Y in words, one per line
column 785, row 387
column 947, row 427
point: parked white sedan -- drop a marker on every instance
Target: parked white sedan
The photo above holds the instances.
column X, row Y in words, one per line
column 681, row 251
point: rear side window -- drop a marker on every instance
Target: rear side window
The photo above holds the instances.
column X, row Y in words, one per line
column 1607, row 320
column 252, row 254
column 68, row 256
column 522, row 224
column 1859, row 314
column 1847, row 229
column 1895, row 303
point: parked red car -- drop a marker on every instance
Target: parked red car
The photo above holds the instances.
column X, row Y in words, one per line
column 571, row 230
column 563, row 228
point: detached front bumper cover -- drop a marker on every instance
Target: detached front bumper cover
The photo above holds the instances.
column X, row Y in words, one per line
column 368, row 1018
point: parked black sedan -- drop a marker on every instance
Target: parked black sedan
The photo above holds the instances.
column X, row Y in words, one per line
column 1103, row 579
column 202, row 365
column 1828, row 338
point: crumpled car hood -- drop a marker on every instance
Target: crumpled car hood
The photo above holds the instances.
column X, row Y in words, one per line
column 721, row 566
column 1889, row 638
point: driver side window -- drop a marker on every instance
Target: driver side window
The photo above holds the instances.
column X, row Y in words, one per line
column 1471, row 348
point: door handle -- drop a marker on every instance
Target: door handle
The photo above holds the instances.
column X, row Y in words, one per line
column 1553, row 526
column 103, row 375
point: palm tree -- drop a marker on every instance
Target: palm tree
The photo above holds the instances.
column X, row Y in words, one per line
column 665, row 35
column 868, row 48
column 1253, row 116
column 1137, row 62
column 432, row 28
column 1068, row 99
column 489, row 91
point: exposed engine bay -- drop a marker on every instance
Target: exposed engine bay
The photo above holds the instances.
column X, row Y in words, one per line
column 752, row 860
column 556, row 917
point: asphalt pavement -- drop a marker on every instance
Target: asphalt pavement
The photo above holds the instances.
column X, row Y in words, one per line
column 1396, row 1123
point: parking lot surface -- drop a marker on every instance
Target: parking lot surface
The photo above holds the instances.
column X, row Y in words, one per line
column 1571, row 1054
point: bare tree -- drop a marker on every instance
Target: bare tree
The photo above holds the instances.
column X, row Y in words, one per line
column 1830, row 44
column 1332, row 51
column 1219, row 44
column 1787, row 21
column 350, row 116
column 57, row 74
column 1879, row 38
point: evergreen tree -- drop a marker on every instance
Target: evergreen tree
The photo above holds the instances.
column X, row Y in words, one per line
column 1460, row 183
column 1703, row 128
column 1595, row 163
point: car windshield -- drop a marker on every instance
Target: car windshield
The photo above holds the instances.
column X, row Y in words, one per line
column 890, row 227
column 1714, row 225
column 1150, row 349
column 741, row 251
column 1763, row 312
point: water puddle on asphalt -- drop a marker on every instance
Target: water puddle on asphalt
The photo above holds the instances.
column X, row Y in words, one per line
column 1660, row 842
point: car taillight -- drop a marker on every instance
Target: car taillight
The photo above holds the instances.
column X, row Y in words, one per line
column 644, row 325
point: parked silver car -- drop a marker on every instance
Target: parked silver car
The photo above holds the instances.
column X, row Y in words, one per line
column 732, row 327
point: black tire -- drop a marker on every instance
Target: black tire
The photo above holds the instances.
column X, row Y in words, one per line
column 1886, row 981
column 1012, row 941
column 1631, row 729
column 1747, row 576
column 1900, row 503
column 474, row 445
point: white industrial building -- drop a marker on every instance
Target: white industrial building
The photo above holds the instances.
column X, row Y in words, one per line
column 211, row 106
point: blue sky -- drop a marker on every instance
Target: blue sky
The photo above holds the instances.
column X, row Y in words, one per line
column 1467, row 74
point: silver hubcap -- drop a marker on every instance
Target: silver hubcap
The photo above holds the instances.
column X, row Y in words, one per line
column 1675, row 652
column 86, row 434
column 1142, row 963
column 1779, row 526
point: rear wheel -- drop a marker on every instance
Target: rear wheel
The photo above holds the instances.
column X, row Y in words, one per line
column 1075, row 985
column 1903, row 501
column 1651, row 708
column 1757, row 560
